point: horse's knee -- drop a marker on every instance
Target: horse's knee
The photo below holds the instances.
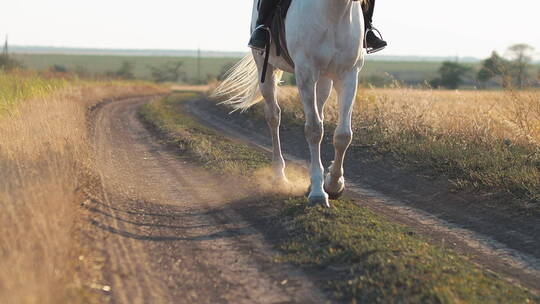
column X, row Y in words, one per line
column 314, row 131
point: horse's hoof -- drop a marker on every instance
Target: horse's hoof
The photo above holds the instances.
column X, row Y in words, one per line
column 334, row 190
column 336, row 195
column 316, row 201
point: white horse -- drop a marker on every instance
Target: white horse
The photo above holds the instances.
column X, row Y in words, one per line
column 325, row 41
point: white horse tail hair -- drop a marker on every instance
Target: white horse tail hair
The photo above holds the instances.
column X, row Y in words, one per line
column 241, row 85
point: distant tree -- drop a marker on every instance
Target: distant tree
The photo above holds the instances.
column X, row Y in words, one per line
column 170, row 71
column 126, row 70
column 494, row 66
column 521, row 62
column 7, row 63
column 450, row 75
column 58, row 68
column 83, row 72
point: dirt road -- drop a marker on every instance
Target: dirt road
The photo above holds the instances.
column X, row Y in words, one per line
column 168, row 232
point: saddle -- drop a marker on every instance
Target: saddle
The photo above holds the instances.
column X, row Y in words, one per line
column 278, row 36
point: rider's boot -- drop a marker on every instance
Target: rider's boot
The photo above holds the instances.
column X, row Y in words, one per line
column 373, row 42
column 261, row 35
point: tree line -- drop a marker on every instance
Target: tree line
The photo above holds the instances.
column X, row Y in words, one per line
column 514, row 71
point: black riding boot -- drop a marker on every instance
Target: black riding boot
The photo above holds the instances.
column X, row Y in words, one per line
column 373, row 42
column 261, row 35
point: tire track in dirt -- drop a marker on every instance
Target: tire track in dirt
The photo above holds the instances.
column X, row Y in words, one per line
column 515, row 265
column 169, row 234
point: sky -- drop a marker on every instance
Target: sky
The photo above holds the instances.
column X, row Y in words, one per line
column 420, row 27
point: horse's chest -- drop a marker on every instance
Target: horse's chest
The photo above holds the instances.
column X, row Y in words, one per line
column 325, row 47
column 335, row 58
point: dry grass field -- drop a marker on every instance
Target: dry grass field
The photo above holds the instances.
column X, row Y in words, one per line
column 45, row 161
column 480, row 139
column 484, row 140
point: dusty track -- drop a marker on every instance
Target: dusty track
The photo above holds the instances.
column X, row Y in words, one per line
column 168, row 232
column 504, row 244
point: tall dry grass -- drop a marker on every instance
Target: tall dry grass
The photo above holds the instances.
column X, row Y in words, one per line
column 487, row 140
column 45, row 160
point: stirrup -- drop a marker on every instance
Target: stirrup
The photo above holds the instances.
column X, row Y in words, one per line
column 260, row 49
column 374, row 30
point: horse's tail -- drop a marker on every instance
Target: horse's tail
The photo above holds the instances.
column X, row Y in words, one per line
column 241, row 85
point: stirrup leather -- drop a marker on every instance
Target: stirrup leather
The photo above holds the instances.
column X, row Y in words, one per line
column 374, row 30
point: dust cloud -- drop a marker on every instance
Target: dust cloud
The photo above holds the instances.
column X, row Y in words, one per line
column 296, row 185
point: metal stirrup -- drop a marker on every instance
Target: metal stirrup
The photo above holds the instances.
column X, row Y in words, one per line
column 372, row 29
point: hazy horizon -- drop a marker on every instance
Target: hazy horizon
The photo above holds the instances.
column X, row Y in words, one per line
column 426, row 29
column 69, row 50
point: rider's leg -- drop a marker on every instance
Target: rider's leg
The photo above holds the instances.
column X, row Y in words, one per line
column 260, row 37
column 373, row 42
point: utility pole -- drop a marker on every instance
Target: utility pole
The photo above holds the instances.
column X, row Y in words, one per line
column 199, row 65
column 5, row 51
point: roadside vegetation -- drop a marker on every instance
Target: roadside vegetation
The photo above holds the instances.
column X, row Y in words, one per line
column 18, row 86
column 45, row 163
column 368, row 258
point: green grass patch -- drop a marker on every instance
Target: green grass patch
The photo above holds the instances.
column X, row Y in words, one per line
column 19, row 86
column 382, row 262
column 213, row 151
column 367, row 258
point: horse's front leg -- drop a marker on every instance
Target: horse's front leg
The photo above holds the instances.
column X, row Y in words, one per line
column 346, row 87
column 324, row 89
column 314, row 130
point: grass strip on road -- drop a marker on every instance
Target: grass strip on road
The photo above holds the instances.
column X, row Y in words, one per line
column 371, row 260
column 214, row 152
